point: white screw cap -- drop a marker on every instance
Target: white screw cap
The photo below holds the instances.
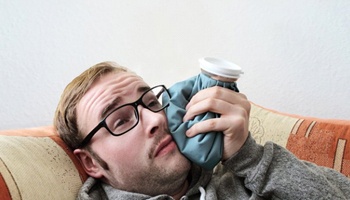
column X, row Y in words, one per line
column 220, row 67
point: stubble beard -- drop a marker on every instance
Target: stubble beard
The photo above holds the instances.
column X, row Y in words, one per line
column 163, row 179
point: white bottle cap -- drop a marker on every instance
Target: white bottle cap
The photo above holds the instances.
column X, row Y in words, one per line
column 220, row 67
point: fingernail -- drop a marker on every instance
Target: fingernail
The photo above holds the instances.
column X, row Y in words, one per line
column 184, row 119
column 188, row 133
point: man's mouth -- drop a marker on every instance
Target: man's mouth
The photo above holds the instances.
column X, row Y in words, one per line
column 165, row 146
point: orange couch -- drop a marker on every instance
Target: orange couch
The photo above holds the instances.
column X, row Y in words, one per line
column 36, row 164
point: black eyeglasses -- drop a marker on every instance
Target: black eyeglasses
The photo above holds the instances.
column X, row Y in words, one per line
column 126, row 117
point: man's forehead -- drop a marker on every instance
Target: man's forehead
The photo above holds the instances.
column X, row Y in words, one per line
column 121, row 84
column 105, row 90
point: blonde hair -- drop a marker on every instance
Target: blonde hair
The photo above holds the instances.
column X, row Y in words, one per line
column 65, row 119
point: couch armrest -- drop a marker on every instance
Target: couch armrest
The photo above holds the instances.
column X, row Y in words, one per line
column 321, row 141
column 36, row 164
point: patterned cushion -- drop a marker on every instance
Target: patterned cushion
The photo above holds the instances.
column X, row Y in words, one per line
column 36, row 164
column 322, row 141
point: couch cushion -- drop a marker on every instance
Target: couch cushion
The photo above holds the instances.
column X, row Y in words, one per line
column 322, row 141
column 36, row 164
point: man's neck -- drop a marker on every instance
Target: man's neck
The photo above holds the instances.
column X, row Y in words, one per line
column 182, row 191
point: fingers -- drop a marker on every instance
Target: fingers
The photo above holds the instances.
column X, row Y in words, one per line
column 227, row 124
column 233, row 108
column 217, row 92
column 216, row 99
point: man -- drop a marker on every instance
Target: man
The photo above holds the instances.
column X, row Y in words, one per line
column 118, row 130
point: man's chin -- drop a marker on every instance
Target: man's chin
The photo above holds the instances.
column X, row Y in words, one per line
column 177, row 159
column 183, row 162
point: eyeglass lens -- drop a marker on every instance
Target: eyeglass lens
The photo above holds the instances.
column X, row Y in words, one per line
column 126, row 117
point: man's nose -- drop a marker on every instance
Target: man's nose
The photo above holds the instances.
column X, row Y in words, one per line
column 152, row 122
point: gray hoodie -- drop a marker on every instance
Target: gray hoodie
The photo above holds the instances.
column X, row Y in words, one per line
column 255, row 172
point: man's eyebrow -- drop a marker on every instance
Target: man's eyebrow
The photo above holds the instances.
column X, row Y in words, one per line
column 143, row 89
column 117, row 100
column 109, row 107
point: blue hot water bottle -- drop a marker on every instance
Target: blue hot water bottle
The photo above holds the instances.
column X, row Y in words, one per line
column 203, row 149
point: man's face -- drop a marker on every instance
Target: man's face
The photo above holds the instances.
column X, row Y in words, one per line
column 145, row 159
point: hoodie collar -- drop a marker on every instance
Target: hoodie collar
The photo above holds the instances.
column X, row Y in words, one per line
column 92, row 188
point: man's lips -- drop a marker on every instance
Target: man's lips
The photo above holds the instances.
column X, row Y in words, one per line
column 166, row 145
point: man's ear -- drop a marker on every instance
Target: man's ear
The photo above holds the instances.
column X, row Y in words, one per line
column 90, row 165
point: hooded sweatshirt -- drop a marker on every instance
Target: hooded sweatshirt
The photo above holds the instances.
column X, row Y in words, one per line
column 255, row 172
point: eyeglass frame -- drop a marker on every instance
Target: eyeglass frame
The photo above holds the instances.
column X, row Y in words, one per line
column 103, row 124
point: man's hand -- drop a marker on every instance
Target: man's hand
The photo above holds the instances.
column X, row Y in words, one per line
column 234, row 109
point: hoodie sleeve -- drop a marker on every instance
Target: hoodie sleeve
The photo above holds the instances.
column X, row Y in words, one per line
column 271, row 171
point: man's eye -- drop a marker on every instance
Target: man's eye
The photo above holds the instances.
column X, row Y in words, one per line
column 120, row 122
column 120, row 119
column 153, row 104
